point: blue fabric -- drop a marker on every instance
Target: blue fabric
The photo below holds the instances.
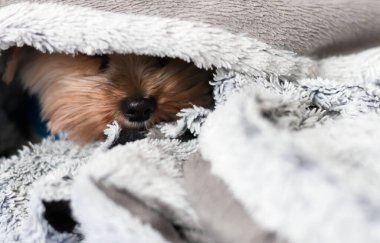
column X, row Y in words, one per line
column 34, row 118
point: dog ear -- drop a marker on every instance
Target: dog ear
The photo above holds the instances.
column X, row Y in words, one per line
column 105, row 60
column 9, row 61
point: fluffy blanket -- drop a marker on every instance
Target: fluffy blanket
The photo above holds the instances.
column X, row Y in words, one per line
column 289, row 154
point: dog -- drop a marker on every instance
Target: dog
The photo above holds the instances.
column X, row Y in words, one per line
column 81, row 94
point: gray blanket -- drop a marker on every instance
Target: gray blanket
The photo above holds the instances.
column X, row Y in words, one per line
column 288, row 155
column 306, row 27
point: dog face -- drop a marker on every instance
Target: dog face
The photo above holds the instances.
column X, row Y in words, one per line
column 81, row 95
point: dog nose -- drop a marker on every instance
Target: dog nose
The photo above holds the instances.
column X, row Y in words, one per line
column 138, row 109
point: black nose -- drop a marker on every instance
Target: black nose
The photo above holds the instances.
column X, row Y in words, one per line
column 138, row 109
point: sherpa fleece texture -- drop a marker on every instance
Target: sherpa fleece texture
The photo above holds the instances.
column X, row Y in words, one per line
column 291, row 142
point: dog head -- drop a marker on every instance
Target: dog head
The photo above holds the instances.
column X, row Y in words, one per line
column 81, row 95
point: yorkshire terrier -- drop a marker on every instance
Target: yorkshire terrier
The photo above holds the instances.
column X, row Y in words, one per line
column 81, row 94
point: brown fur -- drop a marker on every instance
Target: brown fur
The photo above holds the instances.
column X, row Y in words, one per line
column 81, row 97
column 11, row 66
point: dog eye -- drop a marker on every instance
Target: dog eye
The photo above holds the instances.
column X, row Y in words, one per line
column 105, row 63
column 163, row 61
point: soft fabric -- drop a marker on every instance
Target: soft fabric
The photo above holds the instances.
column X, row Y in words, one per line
column 289, row 154
column 303, row 26
column 301, row 151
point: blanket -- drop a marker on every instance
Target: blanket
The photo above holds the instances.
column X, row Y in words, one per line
column 289, row 154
